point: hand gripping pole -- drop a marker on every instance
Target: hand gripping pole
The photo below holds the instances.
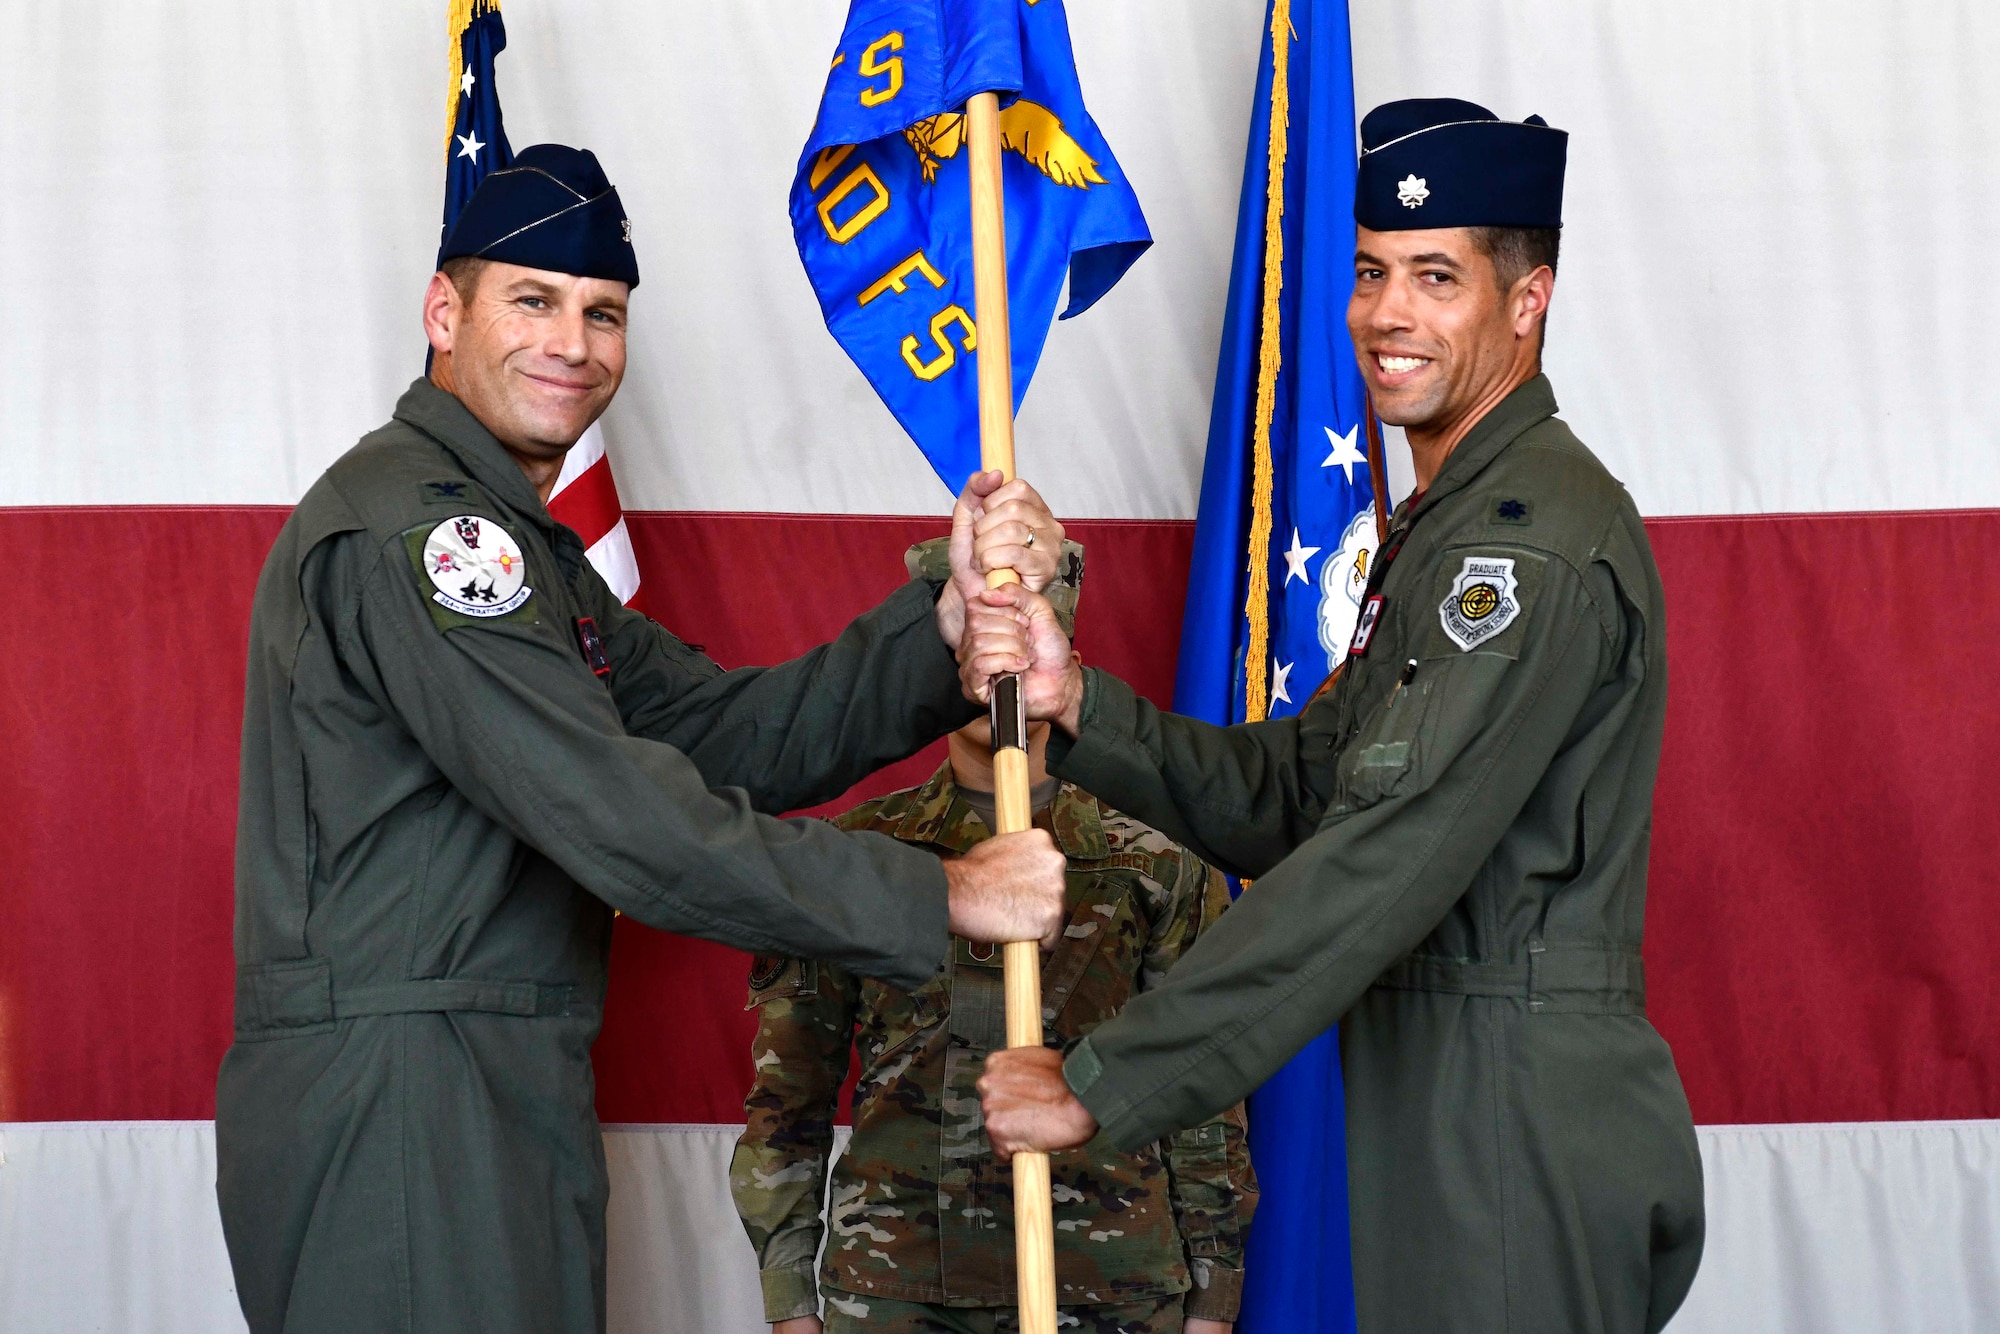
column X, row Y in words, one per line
column 1034, row 1228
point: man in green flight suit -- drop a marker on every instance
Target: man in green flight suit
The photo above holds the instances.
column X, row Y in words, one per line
column 1449, row 844
column 921, row 1214
column 461, row 754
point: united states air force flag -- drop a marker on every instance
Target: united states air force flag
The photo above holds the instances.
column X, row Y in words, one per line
column 478, row 141
column 882, row 208
column 1290, row 503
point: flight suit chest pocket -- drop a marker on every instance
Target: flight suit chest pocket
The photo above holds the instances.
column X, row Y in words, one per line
column 1386, row 752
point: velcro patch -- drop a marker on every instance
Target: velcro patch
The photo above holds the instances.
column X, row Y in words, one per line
column 450, row 491
column 1482, row 601
column 472, row 571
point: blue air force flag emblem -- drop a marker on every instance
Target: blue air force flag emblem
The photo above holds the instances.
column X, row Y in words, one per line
column 476, row 567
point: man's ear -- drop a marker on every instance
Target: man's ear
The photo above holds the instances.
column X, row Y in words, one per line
column 1530, row 299
column 442, row 309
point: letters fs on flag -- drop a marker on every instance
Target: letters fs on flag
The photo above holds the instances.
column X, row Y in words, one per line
column 881, row 204
column 1275, row 590
column 585, row 497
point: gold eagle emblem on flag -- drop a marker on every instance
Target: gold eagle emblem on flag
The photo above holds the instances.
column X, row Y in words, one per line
column 1027, row 128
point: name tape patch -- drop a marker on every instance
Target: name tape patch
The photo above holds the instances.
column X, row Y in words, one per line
column 1481, row 603
column 476, row 567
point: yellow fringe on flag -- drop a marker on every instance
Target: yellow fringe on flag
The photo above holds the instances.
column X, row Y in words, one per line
column 1256, row 681
column 458, row 17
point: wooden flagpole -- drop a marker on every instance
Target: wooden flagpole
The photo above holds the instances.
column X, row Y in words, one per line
column 1034, row 1228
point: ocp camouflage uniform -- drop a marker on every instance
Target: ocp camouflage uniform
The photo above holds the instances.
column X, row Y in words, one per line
column 921, row 1213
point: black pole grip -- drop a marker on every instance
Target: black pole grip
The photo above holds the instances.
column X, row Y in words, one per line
column 1009, row 714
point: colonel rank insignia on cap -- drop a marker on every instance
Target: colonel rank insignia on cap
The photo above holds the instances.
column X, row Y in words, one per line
column 1438, row 162
column 552, row 209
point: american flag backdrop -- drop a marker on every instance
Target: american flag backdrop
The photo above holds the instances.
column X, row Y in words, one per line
column 213, row 291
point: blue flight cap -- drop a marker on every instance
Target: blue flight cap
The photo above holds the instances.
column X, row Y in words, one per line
column 1439, row 162
column 552, row 209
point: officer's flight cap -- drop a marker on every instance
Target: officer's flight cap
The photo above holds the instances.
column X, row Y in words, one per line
column 552, row 209
column 1438, row 162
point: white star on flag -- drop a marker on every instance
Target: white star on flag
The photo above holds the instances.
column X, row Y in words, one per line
column 465, row 84
column 1344, row 452
column 469, row 146
column 1295, row 560
column 1278, row 674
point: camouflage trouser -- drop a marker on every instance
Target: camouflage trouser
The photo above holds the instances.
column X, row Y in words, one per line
column 848, row 1314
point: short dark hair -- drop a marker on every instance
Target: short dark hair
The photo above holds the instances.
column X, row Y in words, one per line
column 1517, row 252
column 464, row 271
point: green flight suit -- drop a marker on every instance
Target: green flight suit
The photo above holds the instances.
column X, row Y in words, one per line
column 1451, row 858
column 440, row 809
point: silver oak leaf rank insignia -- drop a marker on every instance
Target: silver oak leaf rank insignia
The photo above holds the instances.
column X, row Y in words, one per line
column 476, row 567
column 1481, row 602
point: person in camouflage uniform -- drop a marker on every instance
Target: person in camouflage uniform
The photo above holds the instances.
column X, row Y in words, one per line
column 921, row 1215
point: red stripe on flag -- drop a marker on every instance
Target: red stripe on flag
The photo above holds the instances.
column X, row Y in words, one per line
column 589, row 505
column 1821, row 922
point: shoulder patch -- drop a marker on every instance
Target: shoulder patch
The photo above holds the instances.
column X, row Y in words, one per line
column 1482, row 601
column 472, row 570
column 774, row 977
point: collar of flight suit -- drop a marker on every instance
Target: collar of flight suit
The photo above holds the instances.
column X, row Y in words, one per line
column 938, row 816
column 442, row 417
column 1534, row 400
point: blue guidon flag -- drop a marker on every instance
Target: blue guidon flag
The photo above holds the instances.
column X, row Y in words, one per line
column 882, row 211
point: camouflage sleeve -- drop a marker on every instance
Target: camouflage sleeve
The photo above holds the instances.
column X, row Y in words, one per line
column 777, row 1176
column 1212, row 1184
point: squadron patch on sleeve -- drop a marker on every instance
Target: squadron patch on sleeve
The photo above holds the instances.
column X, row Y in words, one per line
column 475, row 567
column 1481, row 602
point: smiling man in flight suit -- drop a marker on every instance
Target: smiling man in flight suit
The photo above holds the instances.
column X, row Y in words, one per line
column 460, row 754
column 1449, row 844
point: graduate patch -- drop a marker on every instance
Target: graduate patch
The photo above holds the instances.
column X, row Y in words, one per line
column 476, row 567
column 1481, row 602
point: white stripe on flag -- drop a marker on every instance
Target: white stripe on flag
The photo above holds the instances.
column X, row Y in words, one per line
column 616, row 565
column 586, row 451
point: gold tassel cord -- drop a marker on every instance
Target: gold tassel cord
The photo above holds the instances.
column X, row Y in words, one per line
column 1256, row 683
column 459, row 15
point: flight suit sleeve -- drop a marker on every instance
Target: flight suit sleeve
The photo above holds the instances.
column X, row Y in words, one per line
column 801, row 732
column 1210, row 1181
column 1241, row 797
column 508, row 710
column 806, row 1013
column 1427, row 787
